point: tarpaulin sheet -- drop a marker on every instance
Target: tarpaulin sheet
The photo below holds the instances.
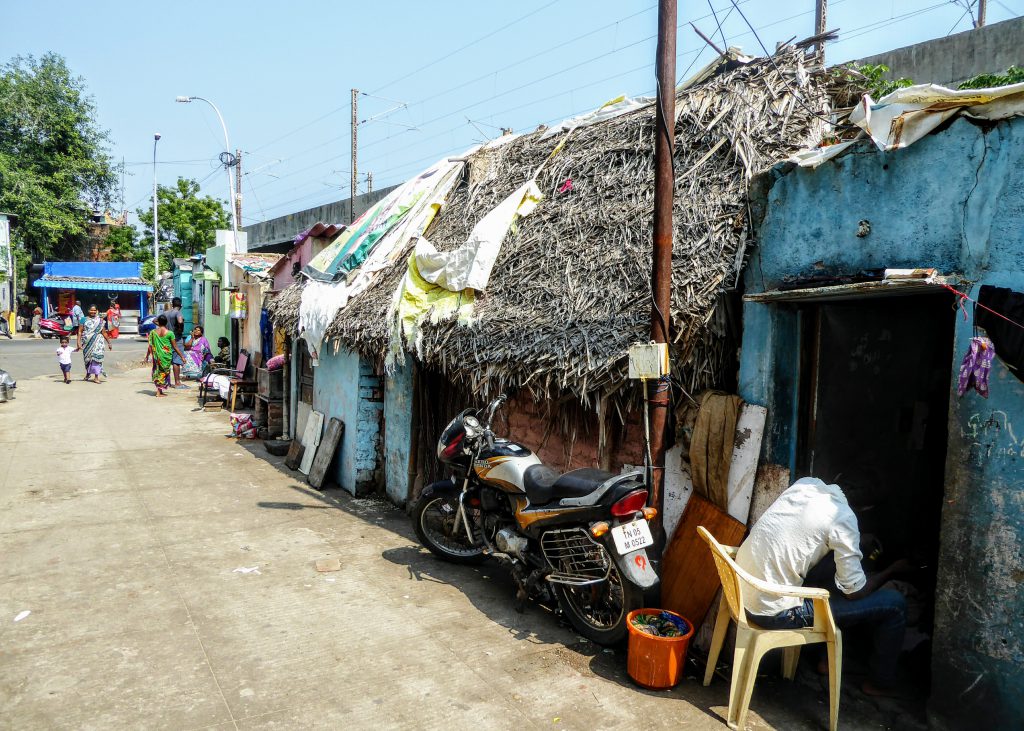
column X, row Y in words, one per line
column 469, row 266
column 416, row 301
column 378, row 238
column 901, row 118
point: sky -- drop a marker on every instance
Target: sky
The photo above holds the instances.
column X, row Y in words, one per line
column 434, row 77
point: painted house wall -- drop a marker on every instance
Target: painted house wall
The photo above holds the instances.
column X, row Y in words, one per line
column 398, row 406
column 183, row 289
column 345, row 387
column 216, row 326
column 954, row 201
column 282, row 270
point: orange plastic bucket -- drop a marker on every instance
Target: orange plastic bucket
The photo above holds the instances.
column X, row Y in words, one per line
column 656, row 662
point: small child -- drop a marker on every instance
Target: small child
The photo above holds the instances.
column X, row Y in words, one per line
column 64, row 358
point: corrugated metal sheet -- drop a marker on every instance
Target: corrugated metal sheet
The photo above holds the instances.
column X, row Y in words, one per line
column 849, row 291
column 96, row 284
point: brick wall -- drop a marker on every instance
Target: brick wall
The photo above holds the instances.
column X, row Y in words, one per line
column 568, row 438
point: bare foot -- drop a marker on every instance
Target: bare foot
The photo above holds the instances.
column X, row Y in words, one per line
column 878, row 691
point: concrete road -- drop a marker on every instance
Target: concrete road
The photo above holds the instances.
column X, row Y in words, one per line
column 26, row 357
column 156, row 574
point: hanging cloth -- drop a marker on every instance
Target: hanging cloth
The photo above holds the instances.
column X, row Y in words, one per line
column 238, row 308
column 266, row 335
column 1008, row 337
column 976, row 366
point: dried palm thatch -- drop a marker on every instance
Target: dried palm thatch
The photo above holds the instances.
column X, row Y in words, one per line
column 284, row 307
column 570, row 290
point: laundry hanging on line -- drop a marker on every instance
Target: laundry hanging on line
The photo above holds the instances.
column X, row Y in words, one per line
column 974, row 370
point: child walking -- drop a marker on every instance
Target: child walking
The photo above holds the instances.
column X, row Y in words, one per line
column 64, row 358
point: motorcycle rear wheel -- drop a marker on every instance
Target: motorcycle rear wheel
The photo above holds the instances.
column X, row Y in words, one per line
column 434, row 521
column 598, row 611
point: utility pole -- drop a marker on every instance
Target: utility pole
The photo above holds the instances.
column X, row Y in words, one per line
column 156, row 225
column 659, row 392
column 820, row 11
column 369, row 183
column 982, row 7
column 238, row 187
column 355, row 148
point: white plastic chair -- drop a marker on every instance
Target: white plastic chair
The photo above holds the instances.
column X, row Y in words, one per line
column 752, row 642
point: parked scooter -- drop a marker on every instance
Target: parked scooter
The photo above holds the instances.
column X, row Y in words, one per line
column 54, row 327
column 581, row 535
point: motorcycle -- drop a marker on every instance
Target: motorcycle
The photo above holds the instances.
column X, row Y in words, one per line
column 54, row 327
column 581, row 536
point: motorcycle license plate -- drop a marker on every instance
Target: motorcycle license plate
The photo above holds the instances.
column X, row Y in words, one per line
column 631, row 536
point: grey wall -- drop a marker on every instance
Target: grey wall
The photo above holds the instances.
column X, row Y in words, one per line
column 276, row 234
column 953, row 59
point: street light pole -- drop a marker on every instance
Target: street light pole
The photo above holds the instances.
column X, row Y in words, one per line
column 156, row 225
column 227, row 148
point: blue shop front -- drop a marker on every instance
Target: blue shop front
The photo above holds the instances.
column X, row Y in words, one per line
column 876, row 275
column 95, row 283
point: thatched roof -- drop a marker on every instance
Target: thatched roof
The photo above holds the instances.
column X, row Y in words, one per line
column 284, row 307
column 570, row 290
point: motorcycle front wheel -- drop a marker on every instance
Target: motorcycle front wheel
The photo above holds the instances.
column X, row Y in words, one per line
column 434, row 519
column 598, row 611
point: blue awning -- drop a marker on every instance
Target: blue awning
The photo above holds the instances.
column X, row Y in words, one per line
column 86, row 284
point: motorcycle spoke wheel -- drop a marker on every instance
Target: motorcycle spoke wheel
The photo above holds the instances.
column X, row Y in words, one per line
column 598, row 611
column 440, row 530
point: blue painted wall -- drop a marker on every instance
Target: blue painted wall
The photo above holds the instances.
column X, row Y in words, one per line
column 954, row 201
column 398, row 406
column 345, row 387
column 183, row 289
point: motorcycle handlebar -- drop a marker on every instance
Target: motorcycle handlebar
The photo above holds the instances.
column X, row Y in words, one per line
column 494, row 407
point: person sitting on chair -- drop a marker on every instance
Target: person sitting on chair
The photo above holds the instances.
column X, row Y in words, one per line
column 807, row 522
column 223, row 357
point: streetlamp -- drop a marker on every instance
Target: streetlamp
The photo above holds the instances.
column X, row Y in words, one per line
column 227, row 147
column 156, row 227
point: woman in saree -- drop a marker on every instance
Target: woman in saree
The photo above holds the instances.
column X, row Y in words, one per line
column 96, row 341
column 161, row 345
column 114, row 319
column 197, row 347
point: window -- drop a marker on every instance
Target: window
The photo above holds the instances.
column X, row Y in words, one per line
column 214, row 299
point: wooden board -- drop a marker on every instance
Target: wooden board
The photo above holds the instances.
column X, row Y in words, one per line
column 295, row 452
column 325, row 452
column 310, row 440
column 745, row 452
column 689, row 579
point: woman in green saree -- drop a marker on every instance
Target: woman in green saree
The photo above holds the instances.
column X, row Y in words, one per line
column 161, row 345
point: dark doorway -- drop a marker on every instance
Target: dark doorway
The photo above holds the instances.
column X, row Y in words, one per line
column 875, row 395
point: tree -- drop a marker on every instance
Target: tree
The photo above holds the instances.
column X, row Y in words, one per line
column 123, row 242
column 54, row 166
column 187, row 222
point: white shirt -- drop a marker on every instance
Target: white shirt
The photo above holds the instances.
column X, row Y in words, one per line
column 64, row 354
column 807, row 521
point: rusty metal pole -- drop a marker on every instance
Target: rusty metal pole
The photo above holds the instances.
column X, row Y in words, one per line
column 355, row 154
column 659, row 394
column 820, row 13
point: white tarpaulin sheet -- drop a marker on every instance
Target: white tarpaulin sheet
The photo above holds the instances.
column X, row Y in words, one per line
column 423, row 197
column 609, row 110
column 901, row 118
column 469, row 266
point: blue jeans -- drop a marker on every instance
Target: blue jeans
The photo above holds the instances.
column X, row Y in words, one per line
column 885, row 609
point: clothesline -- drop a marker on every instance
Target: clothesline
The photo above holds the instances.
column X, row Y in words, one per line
column 964, row 296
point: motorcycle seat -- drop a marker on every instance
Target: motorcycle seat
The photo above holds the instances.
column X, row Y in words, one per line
column 543, row 484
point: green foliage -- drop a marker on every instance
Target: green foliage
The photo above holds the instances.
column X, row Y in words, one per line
column 878, row 85
column 1013, row 75
column 124, row 244
column 187, row 222
column 54, row 167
